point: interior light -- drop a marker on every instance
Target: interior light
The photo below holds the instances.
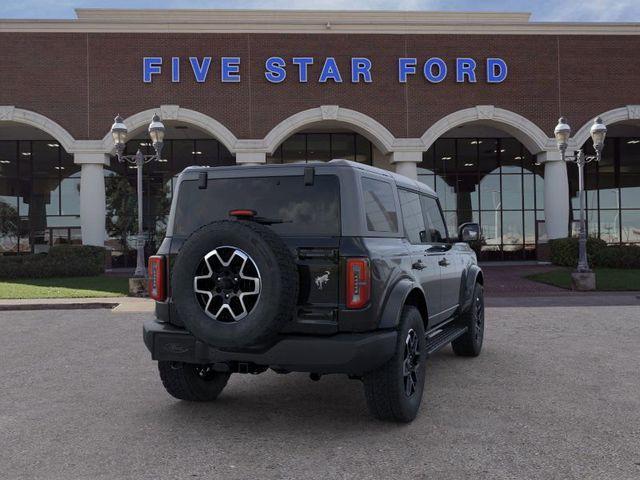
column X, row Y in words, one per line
column 502, row 150
column 59, row 168
column 196, row 153
column 26, row 154
column 5, row 161
column 468, row 164
column 632, row 142
column 476, row 142
column 517, row 158
column 53, row 145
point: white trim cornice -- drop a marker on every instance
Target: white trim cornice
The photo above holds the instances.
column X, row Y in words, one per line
column 326, row 22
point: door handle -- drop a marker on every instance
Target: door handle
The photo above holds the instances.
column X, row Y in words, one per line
column 444, row 262
column 418, row 265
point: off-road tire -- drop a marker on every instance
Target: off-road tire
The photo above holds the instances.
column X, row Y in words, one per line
column 385, row 387
column 193, row 383
column 279, row 284
column 470, row 344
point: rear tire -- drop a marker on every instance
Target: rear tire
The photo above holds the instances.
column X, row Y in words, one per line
column 470, row 344
column 190, row 382
column 394, row 391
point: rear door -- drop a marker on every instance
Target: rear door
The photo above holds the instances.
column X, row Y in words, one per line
column 440, row 249
column 304, row 213
column 424, row 266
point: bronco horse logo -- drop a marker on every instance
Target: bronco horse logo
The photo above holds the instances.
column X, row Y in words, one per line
column 322, row 280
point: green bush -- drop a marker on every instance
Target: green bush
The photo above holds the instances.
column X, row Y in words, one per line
column 618, row 256
column 61, row 261
column 564, row 251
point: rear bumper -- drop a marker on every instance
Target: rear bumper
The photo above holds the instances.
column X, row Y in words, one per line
column 351, row 353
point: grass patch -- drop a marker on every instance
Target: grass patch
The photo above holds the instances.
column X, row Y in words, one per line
column 607, row 279
column 71, row 287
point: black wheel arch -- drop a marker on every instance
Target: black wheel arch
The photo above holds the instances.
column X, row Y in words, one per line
column 470, row 277
column 404, row 292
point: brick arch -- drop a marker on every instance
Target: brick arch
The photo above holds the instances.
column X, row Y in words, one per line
column 9, row 113
column 373, row 130
column 629, row 112
column 183, row 115
column 527, row 132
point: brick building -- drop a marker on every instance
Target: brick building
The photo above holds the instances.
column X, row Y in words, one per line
column 465, row 102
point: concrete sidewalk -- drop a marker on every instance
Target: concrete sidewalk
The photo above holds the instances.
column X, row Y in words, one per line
column 116, row 304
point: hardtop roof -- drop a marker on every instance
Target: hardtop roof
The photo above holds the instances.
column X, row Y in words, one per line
column 399, row 180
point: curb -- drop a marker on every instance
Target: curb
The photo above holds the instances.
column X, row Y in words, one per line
column 57, row 306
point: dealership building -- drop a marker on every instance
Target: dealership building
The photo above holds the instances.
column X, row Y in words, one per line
column 464, row 102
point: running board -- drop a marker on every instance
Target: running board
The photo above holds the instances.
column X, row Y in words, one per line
column 443, row 338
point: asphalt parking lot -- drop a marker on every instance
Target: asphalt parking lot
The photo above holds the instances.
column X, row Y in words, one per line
column 555, row 394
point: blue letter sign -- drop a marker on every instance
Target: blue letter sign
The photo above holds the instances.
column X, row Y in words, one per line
column 275, row 69
column 151, row 66
column 200, row 71
column 496, row 70
column 434, row 69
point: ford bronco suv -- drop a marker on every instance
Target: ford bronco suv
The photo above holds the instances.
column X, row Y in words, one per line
column 324, row 268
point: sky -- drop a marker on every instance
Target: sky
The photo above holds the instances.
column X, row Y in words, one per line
column 542, row 10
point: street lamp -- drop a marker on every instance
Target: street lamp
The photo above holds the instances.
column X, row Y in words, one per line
column 119, row 133
column 562, row 133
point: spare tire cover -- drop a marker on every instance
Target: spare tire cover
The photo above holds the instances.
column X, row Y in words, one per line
column 234, row 284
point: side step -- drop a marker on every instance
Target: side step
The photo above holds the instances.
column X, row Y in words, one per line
column 443, row 338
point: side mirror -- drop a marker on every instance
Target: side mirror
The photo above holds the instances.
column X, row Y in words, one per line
column 469, row 232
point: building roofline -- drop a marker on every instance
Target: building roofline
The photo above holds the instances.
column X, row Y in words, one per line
column 311, row 21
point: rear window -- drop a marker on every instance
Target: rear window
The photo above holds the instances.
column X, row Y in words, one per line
column 303, row 209
column 379, row 206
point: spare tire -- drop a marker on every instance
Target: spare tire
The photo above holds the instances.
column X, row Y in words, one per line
column 234, row 284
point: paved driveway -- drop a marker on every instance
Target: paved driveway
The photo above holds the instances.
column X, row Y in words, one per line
column 555, row 394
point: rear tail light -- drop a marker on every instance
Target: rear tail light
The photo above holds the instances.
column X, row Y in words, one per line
column 157, row 281
column 358, row 282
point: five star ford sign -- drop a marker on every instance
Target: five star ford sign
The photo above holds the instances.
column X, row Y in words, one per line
column 361, row 69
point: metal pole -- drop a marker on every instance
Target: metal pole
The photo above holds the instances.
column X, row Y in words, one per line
column 583, row 263
column 140, row 269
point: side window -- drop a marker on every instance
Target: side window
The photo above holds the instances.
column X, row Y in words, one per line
column 379, row 206
column 412, row 216
column 436, row 230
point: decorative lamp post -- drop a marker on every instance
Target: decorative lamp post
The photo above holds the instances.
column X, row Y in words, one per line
column 562, row 133
column 156, row 132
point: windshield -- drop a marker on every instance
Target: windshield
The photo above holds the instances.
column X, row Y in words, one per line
column 295, row 208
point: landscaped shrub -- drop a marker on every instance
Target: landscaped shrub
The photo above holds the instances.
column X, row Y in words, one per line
column 618, row 256
column 564, row 251
column 61, row 261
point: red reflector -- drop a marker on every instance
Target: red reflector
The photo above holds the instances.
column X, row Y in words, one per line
column 358, row 282
column 242, row 213
column 157, row 289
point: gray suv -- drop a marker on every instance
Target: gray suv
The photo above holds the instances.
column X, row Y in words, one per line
column 323, row 268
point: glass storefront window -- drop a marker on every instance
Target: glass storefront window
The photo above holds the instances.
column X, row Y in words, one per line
column 493, row 181
column 610, row 226
column 512, row 192
column 319, row 148
column 630, row 223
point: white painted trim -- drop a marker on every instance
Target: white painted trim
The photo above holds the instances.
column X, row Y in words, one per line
column 177, row 113
column 9, row 113
column 531, row 136
column 308, row 21
column 629, row 112
column 382, row 138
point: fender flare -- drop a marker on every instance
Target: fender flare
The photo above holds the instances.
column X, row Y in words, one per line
column 469, row 279
column 392, row 309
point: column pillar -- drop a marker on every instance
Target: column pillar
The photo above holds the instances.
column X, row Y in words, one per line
column 556, row 194
column 92, row 197
column 406, row 163
column 251, row 158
